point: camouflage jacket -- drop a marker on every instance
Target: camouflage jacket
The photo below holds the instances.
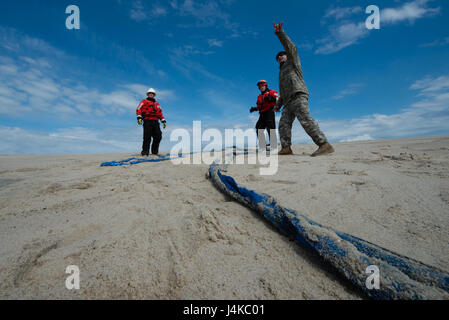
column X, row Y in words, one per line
column 290, row 73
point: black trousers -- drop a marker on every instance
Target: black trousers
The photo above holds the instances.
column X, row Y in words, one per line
column 266, row 121
column 151, row 129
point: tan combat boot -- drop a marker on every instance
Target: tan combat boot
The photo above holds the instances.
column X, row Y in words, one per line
column 323, row 150
column 286, row 150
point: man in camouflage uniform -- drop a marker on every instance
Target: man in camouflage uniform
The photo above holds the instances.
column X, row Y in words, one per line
column 294, row 97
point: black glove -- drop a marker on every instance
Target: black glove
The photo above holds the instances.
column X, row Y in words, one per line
column 164, row 123
column 253, row 109
column 139, row 121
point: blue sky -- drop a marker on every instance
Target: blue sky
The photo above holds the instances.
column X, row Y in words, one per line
column 76, row 91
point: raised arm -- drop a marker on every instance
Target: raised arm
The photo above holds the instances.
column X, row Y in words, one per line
column 289, row 47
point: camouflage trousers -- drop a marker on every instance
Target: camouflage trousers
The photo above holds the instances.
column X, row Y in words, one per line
column 298, row 107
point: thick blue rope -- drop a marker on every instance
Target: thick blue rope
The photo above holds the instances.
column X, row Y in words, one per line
column 400, row 277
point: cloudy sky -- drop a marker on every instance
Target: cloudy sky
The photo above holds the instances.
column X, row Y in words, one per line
column 76, row 91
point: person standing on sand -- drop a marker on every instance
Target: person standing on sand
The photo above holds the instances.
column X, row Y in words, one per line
column 150, row 112
column 266, row 102
column 294, row 97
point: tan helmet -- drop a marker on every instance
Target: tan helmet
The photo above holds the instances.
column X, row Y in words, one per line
column 151, row 90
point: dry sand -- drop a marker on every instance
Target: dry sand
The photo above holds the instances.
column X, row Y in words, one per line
column 160, row 231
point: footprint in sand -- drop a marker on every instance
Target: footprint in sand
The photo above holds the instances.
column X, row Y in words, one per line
column 396, row 210
column 81, row 186
column 30, row 258
column 444, row 195
column 56, row 187
column 403, row 156
column 283, row 182
column 252, row 178
column 53, row 188
column 346, row 172
column 355, row 184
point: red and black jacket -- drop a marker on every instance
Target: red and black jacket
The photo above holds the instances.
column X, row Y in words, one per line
column 149, row 109
column 266, row 101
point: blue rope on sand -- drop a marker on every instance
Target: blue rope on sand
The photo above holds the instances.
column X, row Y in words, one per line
column 166, row 157
column 133, row 160
column 400, row 277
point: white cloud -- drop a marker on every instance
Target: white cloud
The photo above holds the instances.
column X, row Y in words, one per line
column 15, row 42
column 206, row 14
column 428, row 116
column 37, row 62
column 159, row 11
column 190, row 50
column 214, row 43
column 140, row 90
column 34, row 88
column 174, row 4
column 64, row 111
column 137, row 12
column 120, row 100
column 429, row 84
column 211, row 13
column 305, row 46
column 409, row 11
column 179, row 59
column 436, row 43
column 8, row 69
column 140, row 13
column 33, row 84
column 341, row 36
column 363, row 137
column 344, row 32
column 162, row 74
column 351, row 89
column 30, row 50
column 340, row 13
column 69, row 140
column 229, row 106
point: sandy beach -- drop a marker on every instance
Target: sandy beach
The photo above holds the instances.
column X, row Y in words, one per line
column 163, row 231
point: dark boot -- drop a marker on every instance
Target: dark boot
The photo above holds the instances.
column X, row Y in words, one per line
column 324, row 149
column 286, row 150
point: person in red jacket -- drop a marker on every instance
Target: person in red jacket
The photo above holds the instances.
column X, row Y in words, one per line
column 266, row 105
column 150, row 112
